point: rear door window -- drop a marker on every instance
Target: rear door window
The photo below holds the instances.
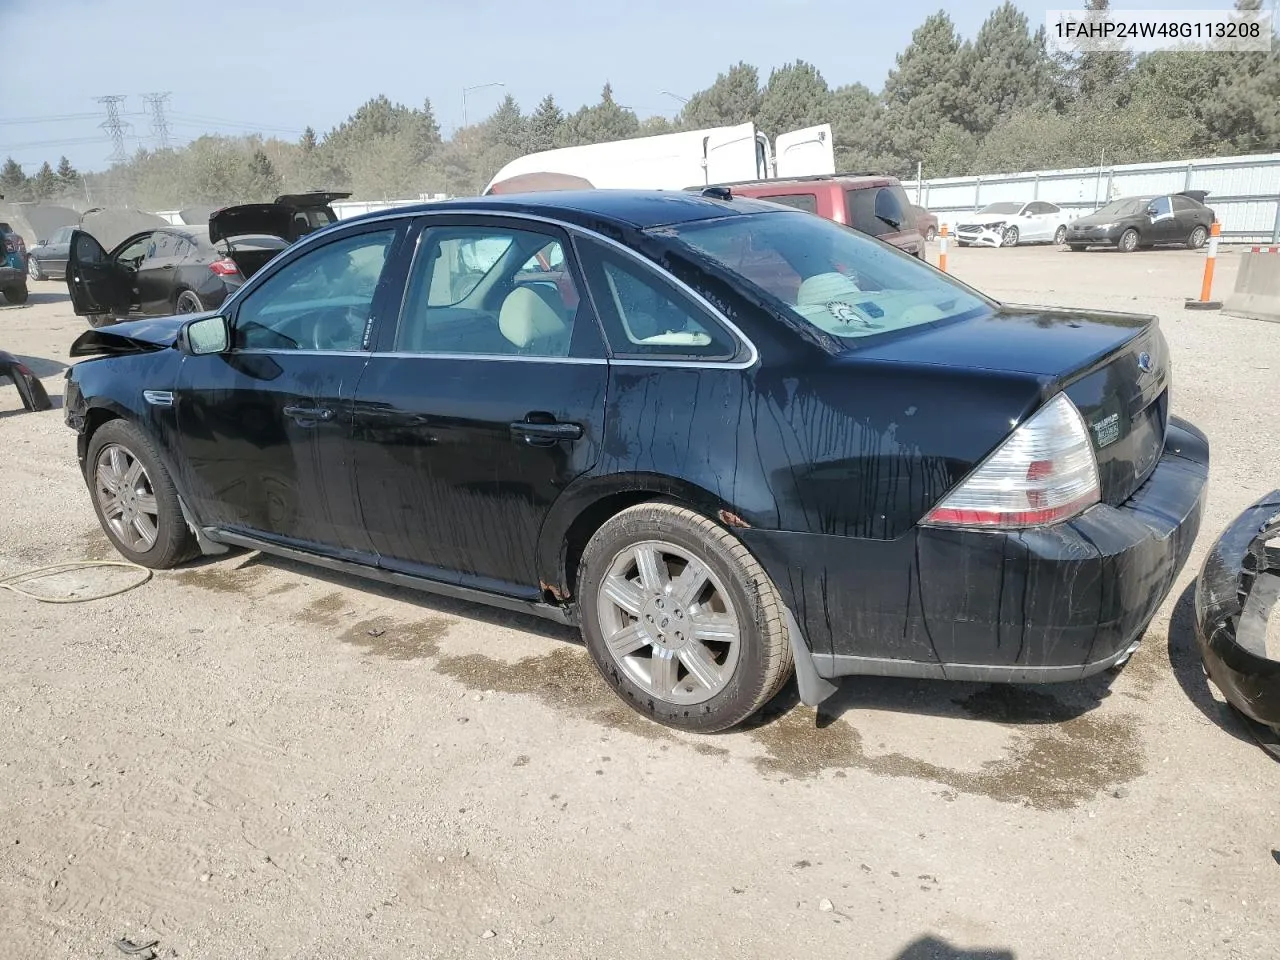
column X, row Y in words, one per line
column 876, row 211
column 801, row 201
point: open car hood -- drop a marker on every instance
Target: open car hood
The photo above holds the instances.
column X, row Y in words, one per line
column 136, row 336
column 273, row 219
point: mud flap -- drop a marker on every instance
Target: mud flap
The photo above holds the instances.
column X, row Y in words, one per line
column 813, row 689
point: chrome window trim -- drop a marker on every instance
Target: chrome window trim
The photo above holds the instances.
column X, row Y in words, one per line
column 573, row 229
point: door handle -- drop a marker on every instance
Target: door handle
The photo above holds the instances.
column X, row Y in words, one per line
column 546, row 433
column 307, row 416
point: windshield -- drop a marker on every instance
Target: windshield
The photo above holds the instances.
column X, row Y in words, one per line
column 1001, row 208
column 833, row 278
column 1123, row 208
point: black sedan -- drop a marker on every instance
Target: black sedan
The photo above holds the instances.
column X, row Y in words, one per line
column 718, row 435
column 48, row 260
column 161, row 272
column 1139, row 223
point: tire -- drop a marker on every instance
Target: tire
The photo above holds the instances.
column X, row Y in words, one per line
column 1198, row 236
column 17, row 293
column 931, row 234
column 1010, row 237
column 188, row 302
column 1060, row 236
column 961, row 243
column 97, row 320
column 33, row 269
column 732, row 678
column 1076, row 247
column 1128, row 241
column 118, row 450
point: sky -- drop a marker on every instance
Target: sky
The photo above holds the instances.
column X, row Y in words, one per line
column 239, row 66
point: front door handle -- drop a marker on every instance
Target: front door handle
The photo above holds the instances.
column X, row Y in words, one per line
column 308, row 416
column 546, row 433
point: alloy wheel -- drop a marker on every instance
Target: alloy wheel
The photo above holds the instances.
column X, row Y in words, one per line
column 127, row 498
column 668, row 622
column 189, row 303
column 1060, row 237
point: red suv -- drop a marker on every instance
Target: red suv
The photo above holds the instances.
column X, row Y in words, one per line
column 873, row 204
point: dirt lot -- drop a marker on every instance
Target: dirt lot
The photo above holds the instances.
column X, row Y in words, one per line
column 252, row 759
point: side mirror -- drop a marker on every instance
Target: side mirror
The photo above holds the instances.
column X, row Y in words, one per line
column 1152, row 211
column 205, row 336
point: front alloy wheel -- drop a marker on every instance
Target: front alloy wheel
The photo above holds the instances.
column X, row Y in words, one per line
column 1010, row 237
column 33, row 269
column 1129, row 241
column 127, row 498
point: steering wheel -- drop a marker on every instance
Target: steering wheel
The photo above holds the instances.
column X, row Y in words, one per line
column 338, row 330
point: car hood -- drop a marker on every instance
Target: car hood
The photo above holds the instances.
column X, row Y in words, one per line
column 1016, row 338
column 984, row 218
column 273, row 219
column 135, row 336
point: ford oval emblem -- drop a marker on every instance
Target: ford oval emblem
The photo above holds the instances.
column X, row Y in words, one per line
column 1144, row 362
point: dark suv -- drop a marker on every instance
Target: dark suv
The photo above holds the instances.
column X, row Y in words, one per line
column 876, row 205
column 13, row 264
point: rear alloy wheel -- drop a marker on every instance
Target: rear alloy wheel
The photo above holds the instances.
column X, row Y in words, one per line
column 681, row 619
column 135, row 499
column 1060, row 236
column 1128, row 241
column 1197, row 238
column 188, row 302
column 1010, row 237
column 33, row 269
column 16, row 294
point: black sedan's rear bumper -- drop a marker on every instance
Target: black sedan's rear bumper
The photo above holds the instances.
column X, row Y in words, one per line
column 1239, row 585
column 1034, row 606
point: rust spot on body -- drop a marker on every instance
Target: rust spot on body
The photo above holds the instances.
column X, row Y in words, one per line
column 732, row 519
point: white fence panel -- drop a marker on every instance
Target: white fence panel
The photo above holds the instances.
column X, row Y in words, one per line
column 1243, row 191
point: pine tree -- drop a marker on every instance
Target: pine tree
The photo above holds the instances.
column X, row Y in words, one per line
column 602, row 123
column 68, row 176
column 13, row 182
column 543, row 129
column 506, row 126
column 1009, row 69
column 795, row 96
column 44, row 185
column 733, row 98
column 308, row 140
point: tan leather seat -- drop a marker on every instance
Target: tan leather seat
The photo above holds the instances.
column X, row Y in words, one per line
column 530, row 320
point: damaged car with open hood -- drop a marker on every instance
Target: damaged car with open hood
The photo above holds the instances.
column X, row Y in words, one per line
column 160, row 269
column 722, row 437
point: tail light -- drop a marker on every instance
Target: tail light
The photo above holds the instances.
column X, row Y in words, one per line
column 1044, row 473
column 226, row 267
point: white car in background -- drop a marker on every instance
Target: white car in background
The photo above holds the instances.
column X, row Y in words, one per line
column 1009, row 224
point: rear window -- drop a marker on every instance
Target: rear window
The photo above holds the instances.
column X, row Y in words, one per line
column 878, row 210
column 829, row 276
column 801, row 201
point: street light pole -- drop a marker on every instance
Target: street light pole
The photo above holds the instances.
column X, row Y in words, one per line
column 668, row 93
column 478, row 86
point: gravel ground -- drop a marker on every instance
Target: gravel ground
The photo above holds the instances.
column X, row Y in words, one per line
column 249, row 758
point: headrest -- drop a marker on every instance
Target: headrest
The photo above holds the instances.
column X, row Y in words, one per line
column 527, row 314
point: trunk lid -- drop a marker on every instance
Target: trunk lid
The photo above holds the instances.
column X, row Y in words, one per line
column 1113, row 366
column 272, row 219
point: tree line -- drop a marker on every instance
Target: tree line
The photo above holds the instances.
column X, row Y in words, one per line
column 1001, row 102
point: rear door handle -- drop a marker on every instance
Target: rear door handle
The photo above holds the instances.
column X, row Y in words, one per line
column 306, row 416
column 546, row 433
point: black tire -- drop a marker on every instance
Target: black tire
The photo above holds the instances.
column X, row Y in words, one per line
column 1128, row 241
column 1198, row 236
column 1010, row 237
column 17, row 293
column 763, row 659
column 1060, row 236
column 1076, row 247
column 188, row 302
column 961, row 243
column 34, row 270
column 100, row 320
column 174, row 541
column 931, row 234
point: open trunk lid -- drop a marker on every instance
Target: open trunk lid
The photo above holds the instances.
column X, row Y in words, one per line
column 273, row 219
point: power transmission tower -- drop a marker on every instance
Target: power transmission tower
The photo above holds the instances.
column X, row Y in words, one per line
column 115, row 127
column 159, row 122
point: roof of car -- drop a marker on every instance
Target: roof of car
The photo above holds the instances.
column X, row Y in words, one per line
column 640, row 209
